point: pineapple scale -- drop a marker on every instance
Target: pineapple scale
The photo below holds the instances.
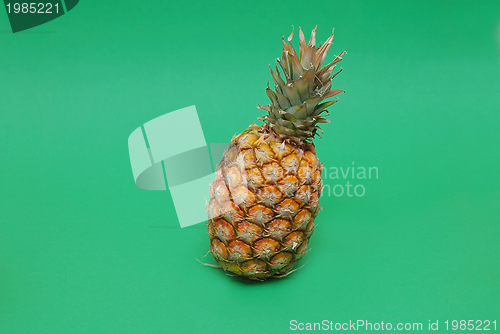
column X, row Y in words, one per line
column 263, row 202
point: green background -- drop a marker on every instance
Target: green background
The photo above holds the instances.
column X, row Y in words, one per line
column 83, row 250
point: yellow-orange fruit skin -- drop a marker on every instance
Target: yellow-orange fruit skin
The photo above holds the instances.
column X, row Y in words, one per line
column 263, row 202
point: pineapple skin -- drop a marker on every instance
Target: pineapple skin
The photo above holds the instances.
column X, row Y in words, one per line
column 263, row 202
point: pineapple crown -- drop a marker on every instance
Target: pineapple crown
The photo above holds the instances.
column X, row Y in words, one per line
column 296, row 106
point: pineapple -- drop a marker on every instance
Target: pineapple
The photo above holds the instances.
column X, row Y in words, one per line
column 265, row 195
